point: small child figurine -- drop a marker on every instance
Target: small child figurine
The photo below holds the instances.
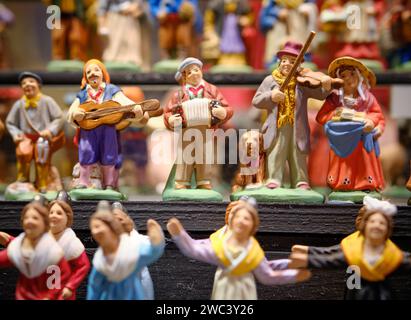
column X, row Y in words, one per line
column 237, row 254
column 371, row 250
column 61, row 219
column 120, row 212
column 101, row 144
column 37, row 256
column 35, row 123
column 353, row 121
column 119, row 260
column 286, row 132
column 195, row 94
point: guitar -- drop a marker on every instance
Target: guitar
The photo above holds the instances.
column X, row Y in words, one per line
column 111, row 112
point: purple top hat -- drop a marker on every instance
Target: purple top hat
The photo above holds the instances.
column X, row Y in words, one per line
column 291, row 48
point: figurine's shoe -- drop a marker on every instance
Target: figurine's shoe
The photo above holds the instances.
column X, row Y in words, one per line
column 272, row 184
column 303, row 186
column 205, row 186
column 80, row 186
column 180, row 186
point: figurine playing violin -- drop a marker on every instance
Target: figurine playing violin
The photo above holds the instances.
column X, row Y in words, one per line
column 286, row 134
column 100, row 110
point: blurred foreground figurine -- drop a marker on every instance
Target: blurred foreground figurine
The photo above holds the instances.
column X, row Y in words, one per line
column 119, row 260
column 61, row 219
column 370, row 250
column 194, row 110
column 44, row 271
column 237, row 254
column 353, row 121
column 35, row 123
column 286, row 132
column 100, row 110
column 179, row 21
column 120, row 212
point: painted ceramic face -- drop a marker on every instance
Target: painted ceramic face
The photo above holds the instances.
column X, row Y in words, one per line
column 120, row 216
column 58, row 219
column 242, row 222
column 31, row 87
column 286, row 64
column 376, row 228
column 94, row 75
column 351, row 81
column 33, row 224
column 193, row 75
column 101, row 232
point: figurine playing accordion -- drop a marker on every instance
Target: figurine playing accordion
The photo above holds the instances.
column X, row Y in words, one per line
column 197, row 105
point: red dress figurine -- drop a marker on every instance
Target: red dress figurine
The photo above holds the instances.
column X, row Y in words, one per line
column 44, row 272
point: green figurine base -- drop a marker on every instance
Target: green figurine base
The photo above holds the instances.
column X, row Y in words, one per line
column 398, row 192
column 122, row 66
column 29, row 196
column 281, row 195
column 172, row 194
column 96, row 194
column 352, row 196
column 65, row 65
column 226, row 68
column 170, row 65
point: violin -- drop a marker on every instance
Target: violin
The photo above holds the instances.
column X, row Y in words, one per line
column 312, row 79
column 112, row 113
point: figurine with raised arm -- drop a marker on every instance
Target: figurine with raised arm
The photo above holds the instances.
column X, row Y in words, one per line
column 237, row 254
column 35, row 123
column 119, row 260
column 194, row 109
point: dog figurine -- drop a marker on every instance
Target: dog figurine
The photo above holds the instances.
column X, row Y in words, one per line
column 251, row 174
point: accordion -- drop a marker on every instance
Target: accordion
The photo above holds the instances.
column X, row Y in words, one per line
column 197, row 112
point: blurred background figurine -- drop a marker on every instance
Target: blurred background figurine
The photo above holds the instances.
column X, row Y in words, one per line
column 70, row 41
column 6, row 19
column 353, row 121
column 125, row 23
column 286, row 20
column 35, row 123
column 224, row 22
column 179, row 22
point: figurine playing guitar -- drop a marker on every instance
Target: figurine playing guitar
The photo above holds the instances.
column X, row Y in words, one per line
column 95, row 104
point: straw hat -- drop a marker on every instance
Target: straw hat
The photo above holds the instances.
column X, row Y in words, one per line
column 349, row 61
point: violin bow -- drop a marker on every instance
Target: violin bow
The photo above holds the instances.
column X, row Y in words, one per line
column 298, row 60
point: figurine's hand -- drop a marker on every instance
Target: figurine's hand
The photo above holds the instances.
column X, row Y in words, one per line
column 79, row 115
column 18, row 138
column 138, row 112
column 154, row 232
column 378, row 132
column 371, row 11
column 277, row 96
column 326, row 83
column 161, row 16
column 283, row 14
column 244, row 21
column 299, row 249
column 174, row 227
column 175, row 120
column 369, row 125
column 4, row 238
column 219, row 113
column 134, row 10
column 303, row 275
column 298, row 260
column 46, row 134
column 67, row 293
